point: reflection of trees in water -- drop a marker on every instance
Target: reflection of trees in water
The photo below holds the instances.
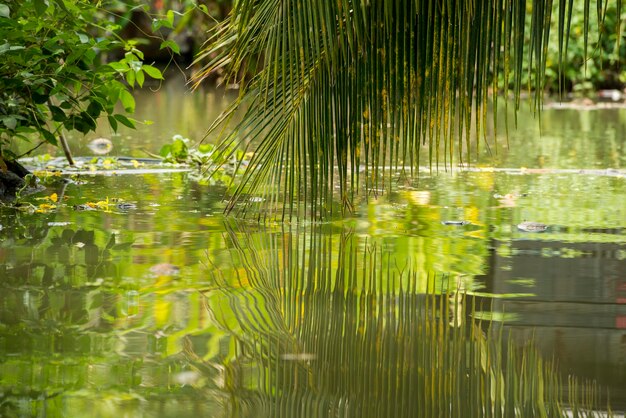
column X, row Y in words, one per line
column 326, row 325
column 564, row 138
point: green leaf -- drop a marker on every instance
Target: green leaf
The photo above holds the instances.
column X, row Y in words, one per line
column 179, row 150
column 140, row 78
column 153, row 72
column 134, row 64
column 82, row 122
column 171, row 45
column 112, row 122
column 156, row 24
column 9, row 121
column 40, row 97
column 165, row 150
column 61, row 4
column 130, row 78
column 125, row 121
column 94, row 109
column 128, row 101
column 58, row 115
column 4, row 10
column 82, row 37
column 49, row 137
column 170, row 18
column 120, row 67
column 40, row 6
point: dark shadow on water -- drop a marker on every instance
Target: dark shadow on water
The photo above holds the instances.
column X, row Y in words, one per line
column 578, row 312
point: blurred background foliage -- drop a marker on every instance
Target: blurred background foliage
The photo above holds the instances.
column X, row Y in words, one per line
column 597, row 68
column 600, row 66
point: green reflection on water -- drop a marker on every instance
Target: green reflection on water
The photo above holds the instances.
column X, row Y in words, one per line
column 287, row 321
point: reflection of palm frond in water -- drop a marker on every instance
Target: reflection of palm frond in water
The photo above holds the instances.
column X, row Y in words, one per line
column 351, row 335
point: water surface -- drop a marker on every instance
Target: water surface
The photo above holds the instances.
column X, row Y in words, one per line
column 172, row 309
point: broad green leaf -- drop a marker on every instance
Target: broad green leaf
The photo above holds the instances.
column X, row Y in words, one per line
column 134, row 64
column 128, row 101
column 156, row 24
column 82, row 37
column 120, row 67
column 94, row 109
column 9, row 121
column 171, row 45
column 165, row 150
column 152, row 72
column 58, row 115
column 40, row 6
column 62, row 6
column 179, row 149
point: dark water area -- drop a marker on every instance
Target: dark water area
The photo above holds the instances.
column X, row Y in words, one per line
column 168, row 308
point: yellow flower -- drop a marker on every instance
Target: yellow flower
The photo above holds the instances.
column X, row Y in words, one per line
column 45, row 207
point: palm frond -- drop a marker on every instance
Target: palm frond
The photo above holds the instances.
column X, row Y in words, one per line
column 351, row 90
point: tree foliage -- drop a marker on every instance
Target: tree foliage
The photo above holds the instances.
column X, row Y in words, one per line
column 350, row 90
column 53, row 75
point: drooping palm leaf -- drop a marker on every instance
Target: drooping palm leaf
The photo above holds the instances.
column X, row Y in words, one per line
column 350, row 90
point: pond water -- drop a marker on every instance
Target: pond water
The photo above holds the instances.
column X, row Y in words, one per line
column 169, row 308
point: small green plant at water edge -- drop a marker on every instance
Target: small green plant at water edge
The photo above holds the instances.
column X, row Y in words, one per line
column 214, row 166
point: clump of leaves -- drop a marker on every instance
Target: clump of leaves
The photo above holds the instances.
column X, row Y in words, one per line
column 214, row 166
column 53, row 76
